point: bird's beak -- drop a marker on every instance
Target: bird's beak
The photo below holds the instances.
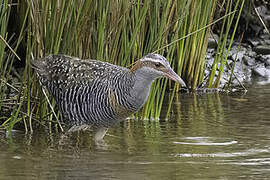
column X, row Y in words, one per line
column 172, row 75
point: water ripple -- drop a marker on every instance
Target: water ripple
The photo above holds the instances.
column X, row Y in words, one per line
column 205, row 141
column 223, row 154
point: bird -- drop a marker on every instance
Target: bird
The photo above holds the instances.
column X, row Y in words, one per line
column 92, row 93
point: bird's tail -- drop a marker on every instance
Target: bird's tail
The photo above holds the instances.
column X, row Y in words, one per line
column 40, row 67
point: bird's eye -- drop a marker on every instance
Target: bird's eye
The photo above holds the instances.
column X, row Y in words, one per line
column 158, row 64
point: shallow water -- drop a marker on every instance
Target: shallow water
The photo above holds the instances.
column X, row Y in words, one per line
column 208, row 136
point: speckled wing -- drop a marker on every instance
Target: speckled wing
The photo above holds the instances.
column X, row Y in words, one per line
column 65, row 71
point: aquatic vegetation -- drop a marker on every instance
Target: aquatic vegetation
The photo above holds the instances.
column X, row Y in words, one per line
column 116, row 31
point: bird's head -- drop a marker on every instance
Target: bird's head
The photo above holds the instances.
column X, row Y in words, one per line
column 154, row 66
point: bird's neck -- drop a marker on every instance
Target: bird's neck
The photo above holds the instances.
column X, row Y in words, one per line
column 142, row 86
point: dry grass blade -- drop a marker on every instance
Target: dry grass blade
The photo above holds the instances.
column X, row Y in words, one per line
column 261, row 19
column 9, row 47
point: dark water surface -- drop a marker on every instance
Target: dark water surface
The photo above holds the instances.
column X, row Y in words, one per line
column 208, row 136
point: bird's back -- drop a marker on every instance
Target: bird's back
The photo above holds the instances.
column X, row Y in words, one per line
column 87, row 91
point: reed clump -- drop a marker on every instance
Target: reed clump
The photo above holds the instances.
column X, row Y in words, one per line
column 116, row 31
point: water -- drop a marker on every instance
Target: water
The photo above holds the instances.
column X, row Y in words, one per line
column 208, row 136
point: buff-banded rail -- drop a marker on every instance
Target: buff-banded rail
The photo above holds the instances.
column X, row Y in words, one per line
column 99, row 94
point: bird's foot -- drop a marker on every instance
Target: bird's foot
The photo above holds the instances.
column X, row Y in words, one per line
column 100, row 133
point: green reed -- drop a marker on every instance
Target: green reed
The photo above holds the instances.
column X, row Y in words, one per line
column 10, row 101
column 4, row 16
column 224, row 48
column 119, row 32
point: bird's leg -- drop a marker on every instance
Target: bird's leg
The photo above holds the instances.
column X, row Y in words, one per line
column 100, row 133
